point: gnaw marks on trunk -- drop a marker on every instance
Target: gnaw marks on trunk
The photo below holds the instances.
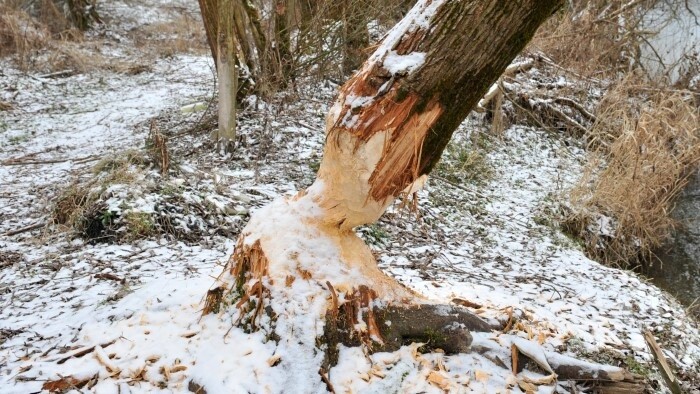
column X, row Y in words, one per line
column 299, row 272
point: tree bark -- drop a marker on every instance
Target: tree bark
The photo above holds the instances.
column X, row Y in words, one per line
column 300, row 257
column 219, row 21
column 283, row 51
column 355, row 35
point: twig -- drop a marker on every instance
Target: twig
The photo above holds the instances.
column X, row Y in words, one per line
column 24, row 229
column 457, row 185
column 510, row 70
column 573, row 104
column 58, row 74
column 82, row 352
column 19, row 162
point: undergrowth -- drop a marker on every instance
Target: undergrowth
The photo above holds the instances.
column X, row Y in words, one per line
column 467, row 161
column 643, row 147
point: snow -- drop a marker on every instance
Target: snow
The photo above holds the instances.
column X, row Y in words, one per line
column 417, row 18
column 403, row 64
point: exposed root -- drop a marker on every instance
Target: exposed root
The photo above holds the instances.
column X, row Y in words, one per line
column 362, row 322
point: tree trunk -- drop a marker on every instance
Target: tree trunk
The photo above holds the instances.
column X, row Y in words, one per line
column 283, row 52
column 298, row 263
column 219, row 21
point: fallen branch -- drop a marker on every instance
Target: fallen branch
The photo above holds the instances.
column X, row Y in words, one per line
column 513, row 69
column 666, row 371
column 573, row 104
column 19, row 162
column 81, row 352
column 24, row 229
column 58, row 74
column 605, row 378
column 535, row 107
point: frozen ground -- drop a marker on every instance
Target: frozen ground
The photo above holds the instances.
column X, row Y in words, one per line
column 125, row 316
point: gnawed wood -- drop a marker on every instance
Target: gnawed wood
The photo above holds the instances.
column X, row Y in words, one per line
column 387, row 328
column 605, row 378
column 666, row 371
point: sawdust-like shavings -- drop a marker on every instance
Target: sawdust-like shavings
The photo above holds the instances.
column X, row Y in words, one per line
column 249, row 266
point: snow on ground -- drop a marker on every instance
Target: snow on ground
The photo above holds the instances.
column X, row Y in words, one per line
column 129, row 313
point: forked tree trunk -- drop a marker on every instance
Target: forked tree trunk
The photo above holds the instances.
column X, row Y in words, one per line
column 299, row 272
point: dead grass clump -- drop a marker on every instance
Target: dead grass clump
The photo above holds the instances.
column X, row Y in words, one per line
column 645, row 145
column 581, row 44
column 79, row 207
column 29, row 27
column 21, row 35
column 603, row 37
column 183, row 34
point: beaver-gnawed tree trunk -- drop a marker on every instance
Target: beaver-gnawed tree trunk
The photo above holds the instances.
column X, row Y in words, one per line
column 299, row 272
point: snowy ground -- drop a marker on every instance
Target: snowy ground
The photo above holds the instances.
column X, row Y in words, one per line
column 126, row 315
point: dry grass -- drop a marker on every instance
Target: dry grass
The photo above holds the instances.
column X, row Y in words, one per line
column 583, row 46
column 183, row 34
column 77, row 207
column 21, row 35
column 42, row 39
column 645, row 144
column 603, row 38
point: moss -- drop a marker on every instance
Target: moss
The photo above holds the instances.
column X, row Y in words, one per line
column 636, row 367
column 432, row 338
column 374, row 234
column 314, row 165
column 138, row 225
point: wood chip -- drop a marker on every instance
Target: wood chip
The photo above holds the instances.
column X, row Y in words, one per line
column 165, row 370
column 528, row 388
column 274, row 360
column 377, row 371
column 152, row 358
column 467, row 303
column 105, row 361
column 438, row 379
column 482, row 376
column 666, row 371
column 64, row 384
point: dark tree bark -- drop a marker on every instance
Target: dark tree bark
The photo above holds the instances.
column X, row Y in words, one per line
column 282, row 51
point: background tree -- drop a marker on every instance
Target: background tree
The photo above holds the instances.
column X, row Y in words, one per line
column 220, row 23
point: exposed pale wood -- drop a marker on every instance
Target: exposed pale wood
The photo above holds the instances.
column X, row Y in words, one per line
column 495, row 88
column 412, row 116
column 666, row 371
column 219, row 21
column 227, row 74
